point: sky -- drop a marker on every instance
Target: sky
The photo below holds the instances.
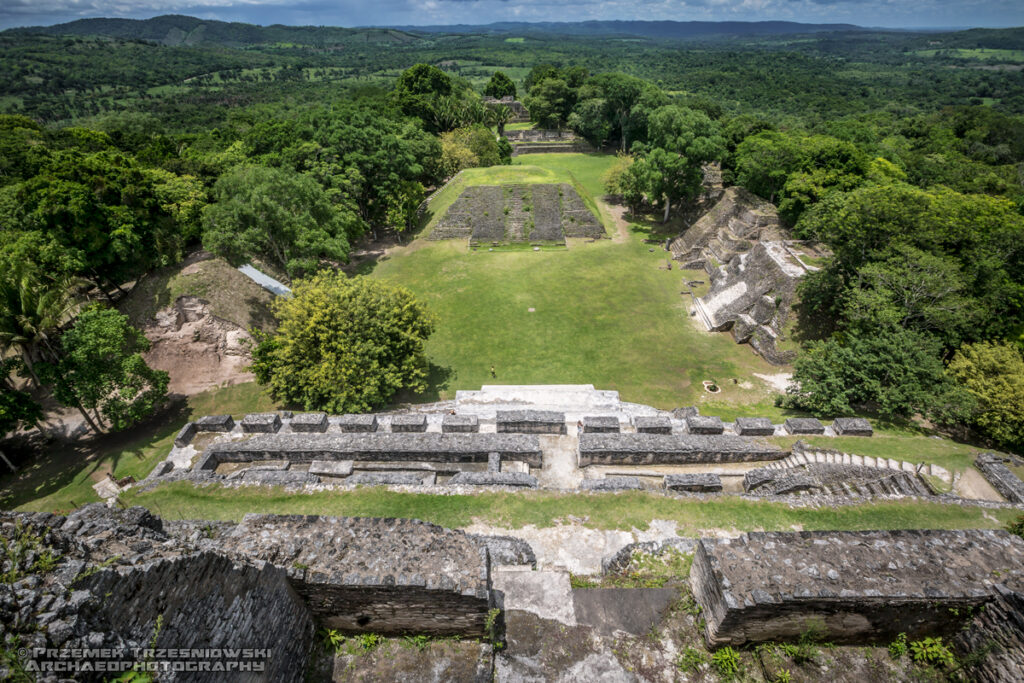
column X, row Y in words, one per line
column 888, row 13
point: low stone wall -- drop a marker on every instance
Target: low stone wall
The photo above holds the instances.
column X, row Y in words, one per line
column 1001, row 477
column 997, row 637
column 700, row 482
column 460, row 424
column 852, row 587
column 655, row 424
column 430, row 446
column 704, row 424
column 530, row 422
column 754, row 426
column 388, row 576
column 680, row 449
column 601, row 424
column 310, row 422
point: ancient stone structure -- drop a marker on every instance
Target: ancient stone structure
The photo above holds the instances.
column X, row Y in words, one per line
column 697, row 483
column 372, row 575
column 520, row 114
column 732, row 226
column 519, row 479
column 534, row 213
column 649, row 449
column 852, row 426
column 657, row 424
column 309, row 422
column 357, row 423
column 852, row 587
column 542, row 141
column 1001, row 477
column 261, row 423
column 215, row 423
column 530, row 422
column 754, row 426
column 611, row 484
column 601, row 424
column 803, row 425
column 409, row 423
column 460, row 424
column 997, row 635
column 432, row 446
column 704, row 424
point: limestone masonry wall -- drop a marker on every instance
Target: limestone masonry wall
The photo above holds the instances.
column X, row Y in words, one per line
column 649, row 449
column 851, row 586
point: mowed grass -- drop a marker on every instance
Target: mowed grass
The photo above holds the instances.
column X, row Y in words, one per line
column 61, row 479
column 183, row 500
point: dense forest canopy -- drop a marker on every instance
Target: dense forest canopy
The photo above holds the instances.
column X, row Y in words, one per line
column 902, row 153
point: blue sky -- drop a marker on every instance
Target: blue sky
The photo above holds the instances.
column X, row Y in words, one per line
column 893, row 13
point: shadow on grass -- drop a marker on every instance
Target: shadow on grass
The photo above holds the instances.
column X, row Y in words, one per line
column 439, row 379
column 46, row 467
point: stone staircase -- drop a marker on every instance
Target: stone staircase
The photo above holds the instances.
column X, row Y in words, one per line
column 820, row 470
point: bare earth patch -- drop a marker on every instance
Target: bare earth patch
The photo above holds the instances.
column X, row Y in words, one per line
column 199, row 350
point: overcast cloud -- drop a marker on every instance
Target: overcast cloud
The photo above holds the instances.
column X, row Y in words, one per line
column 892, row 13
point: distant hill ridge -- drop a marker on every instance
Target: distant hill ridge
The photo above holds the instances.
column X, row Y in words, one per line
column 646, row 29
column 176, row 29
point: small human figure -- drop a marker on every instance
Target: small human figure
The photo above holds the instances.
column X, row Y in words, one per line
column 494, row 374
column 579, row 427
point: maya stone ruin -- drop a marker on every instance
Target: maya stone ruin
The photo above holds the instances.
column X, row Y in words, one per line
column 519, row 604
column 499, row 214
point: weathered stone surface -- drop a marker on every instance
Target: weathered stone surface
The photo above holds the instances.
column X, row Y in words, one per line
column 1001, row 477
column 997, row 635
column 648, row 449
column 276, row 477
column 852, row 426
column 854, row 586
column 118, row 571
column 409, row 423
column 494, row 479
column 656, row 424
column 611, row 484
column 601, row 424
column 185, row 435
column 331, row 468
column 261, row 423
column 389, row 576
column 357, row 423
column 506, row 550
column 699, row 482
column 431, row 447
column 309, row 422
column 804, row 425
column 754, row 426
column 701, row 424
column 387, row 479
column 633, row 610
column 621, row 560
column 215, row 423
column 530, row 422
column 460, row 424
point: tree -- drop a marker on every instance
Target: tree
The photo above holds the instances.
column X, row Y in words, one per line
column 102, row 370
column 683, row 140
column 405, row 204
column 419, row 89
column 17, row 408
column 993, row 374
column 500, row 86
column 469, row 147
column 550, row 102
column 896, row 372
column 285, row 218
column 32, row 310
column 589, row 119
column 344, row 345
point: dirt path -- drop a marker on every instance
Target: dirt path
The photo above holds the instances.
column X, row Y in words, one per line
column 973, row 485
column 618, row 214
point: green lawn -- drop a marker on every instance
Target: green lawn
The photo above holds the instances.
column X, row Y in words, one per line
column 182, row 500
column 62, row 479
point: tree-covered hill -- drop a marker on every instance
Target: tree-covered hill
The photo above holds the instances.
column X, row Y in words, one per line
column 673, row 30
column 176, row 29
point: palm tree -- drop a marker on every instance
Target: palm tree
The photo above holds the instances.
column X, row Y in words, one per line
column 499, row 116
column 32, row 310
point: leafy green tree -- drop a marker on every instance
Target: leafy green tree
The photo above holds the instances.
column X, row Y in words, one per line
column 470, row 147
column 344, row 345
column 500, row 86
column 541, row 72
column 914, row 290
column 589, row 119
column 764, row 162
column 896, row 372
column 102, row 370
column 550, row 102
column 418, row 91
column 993, row 374
column 403, row 212
column 285, row 218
